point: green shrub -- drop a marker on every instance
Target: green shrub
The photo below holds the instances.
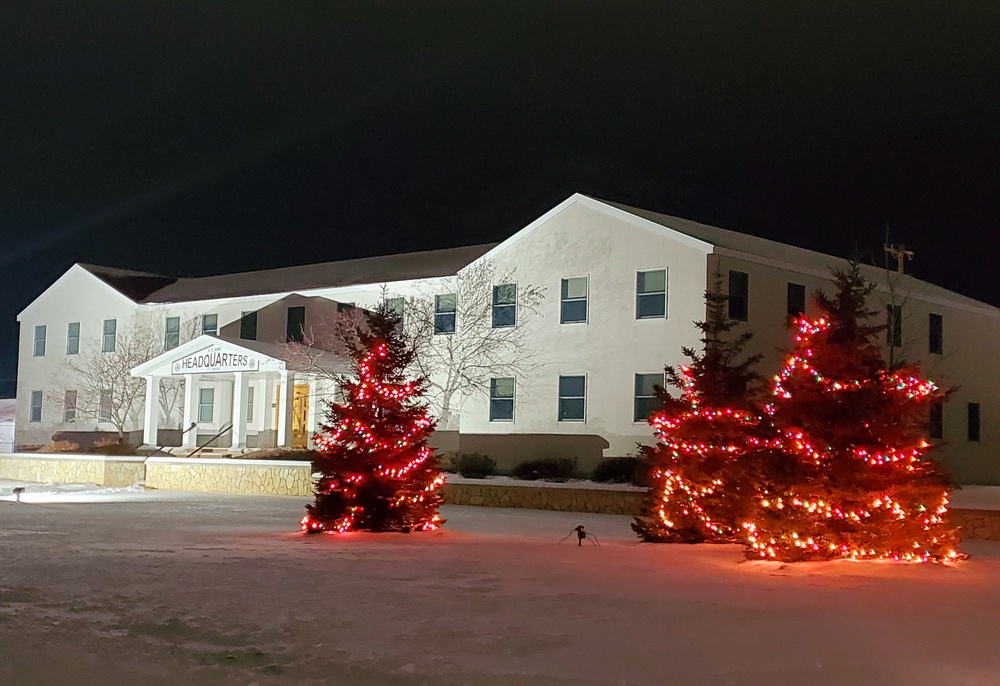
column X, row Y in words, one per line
column 290, row 454
column 623, row 470
column 473, row 465
column 549, row 469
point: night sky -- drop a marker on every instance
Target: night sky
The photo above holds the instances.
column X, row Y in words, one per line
column 195, row 138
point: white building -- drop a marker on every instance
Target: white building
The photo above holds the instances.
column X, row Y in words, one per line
column 621, row 288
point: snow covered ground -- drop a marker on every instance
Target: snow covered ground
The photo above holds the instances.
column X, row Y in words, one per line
column 127, row 587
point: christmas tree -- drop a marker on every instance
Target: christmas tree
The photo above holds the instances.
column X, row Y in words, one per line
column 378, row 473
column 854, row 481
column 702, row 480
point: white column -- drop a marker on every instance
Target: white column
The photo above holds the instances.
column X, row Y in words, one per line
column 151, row 420
column 286, row 409
column 190, row 412
column 240, row 384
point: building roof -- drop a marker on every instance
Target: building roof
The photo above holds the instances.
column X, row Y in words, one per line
column 153, row 288
column 794, row 255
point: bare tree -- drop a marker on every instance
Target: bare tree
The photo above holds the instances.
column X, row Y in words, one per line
column 491, row 316
column 172, row 388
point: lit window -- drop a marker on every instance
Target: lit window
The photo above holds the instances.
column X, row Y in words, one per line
column 172, row 333
column 39, row 350
column 109, row 336
column 739, row 295
column 796, row 299
column 206, row 404
column 936, row 342
column 572, row 398
column 502, row 399
column 651, row 294
column 73, row 338
column 504, row 305
column 35, row 407
column 210, row 324
column 646, row 402
column 445, row 307
column 573, row 300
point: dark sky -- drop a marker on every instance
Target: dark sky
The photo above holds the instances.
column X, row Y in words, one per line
column 192, row 138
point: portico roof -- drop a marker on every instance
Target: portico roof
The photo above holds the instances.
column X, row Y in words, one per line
column 221, row 354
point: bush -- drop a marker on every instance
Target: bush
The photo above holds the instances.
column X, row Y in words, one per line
column 60, row 447
column 623, row 470
column 549, row 469
column 290, row 454
column 473, row 465
column 111, row 446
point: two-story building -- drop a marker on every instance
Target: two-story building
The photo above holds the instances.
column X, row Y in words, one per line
column 617, row 291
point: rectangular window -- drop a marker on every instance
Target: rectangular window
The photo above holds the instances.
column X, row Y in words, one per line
column 936, row 341
column 210, row 324
column 104, row 408
column 651, row 294
column 739, row 295
column 502, row 399
column 39, row 350
column 935, row 427
column 445, row 307
column 109, row 335
column 572, row 398
column 35, row 407
column 505, row 305
column 295, row 324
column 894, row 326
column 172, row 333
column 249, row 404
column 73, row 338
column 69, row 406
column 573, row 300
column 395, row 306
column 206, row 404
column 248, row 325
column 796, row 299
column 646, row 402
column 974, row 422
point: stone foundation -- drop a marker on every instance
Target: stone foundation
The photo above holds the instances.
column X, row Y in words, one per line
column 110, row 472
column 601, row 501
column 250, row 477
column 983, row 525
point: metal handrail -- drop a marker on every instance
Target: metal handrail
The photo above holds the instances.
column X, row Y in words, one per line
column 205, row 444
column 159, row 448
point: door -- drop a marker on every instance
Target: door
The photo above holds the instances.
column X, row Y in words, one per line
column 300, row 416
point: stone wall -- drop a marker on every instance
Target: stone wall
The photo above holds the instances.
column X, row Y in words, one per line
column 252, row 477
column 110, row 472
column 983, row 525
column 602, row 501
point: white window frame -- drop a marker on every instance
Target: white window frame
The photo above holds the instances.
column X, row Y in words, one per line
column 560, row 397
column 35, row 408
column 105, row 406
column 664, row 292
column 439, row 312
column 169, row 335
column 69, row 409
column 202, row 404
column 512, row 399
column 109, row 338
column 210, row 330
column 494, row 306
column 636, row 397
column 73, row 349
column 38, row 344
column 586, row 299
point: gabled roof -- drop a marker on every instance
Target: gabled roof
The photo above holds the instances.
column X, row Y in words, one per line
column 132, row 284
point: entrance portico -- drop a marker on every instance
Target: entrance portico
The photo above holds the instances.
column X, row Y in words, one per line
column 234, row 394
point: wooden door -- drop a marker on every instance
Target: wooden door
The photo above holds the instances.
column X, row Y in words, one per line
column 300, row 416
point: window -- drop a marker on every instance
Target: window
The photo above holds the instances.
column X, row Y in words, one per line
column 894, row 326
column 206, row 403
column 249, row 404
column 646, row 402
column 651, row 294
column 210, row 324
column 69, row 406
column 796, row 299
column 974, row 422
column 395, row 306
column 504, row 305
column 35, row 408
column 39, row 350
column 109, row 336
column 444, row 313
column 172, row 333
column 295, row 323
column 936, row 342
column 572, row 398
column 935, row 427
column 502, row 399
column 104, row 408
column 739, row 295
column 573, row 305
column 73, row 338
column 248, row 325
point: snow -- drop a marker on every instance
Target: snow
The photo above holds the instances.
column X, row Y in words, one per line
column 976, row 498
column 166, row 588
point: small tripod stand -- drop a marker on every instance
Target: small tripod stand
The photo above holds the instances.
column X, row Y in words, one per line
column 581, row 534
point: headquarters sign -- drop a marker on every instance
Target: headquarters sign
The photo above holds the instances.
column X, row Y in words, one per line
column 215, row 360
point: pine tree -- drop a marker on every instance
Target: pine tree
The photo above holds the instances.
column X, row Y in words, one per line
column 854, row 481
column 378, row 473
column 702, row 479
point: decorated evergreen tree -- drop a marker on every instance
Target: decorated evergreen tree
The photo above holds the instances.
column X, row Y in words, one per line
column 854, row 481
column 378, row 473
column 702, row 481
